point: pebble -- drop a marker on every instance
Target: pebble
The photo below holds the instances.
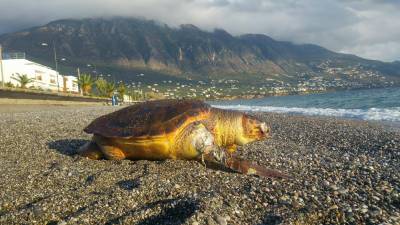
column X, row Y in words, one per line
column 328, row 199
column 210, row 221
column 221, row 220
column 376, row 198
column 37, row 211
column 333, row 207
column 238, row 212
column 375, row 211
column 334, row 187
column 296, row 204
column 313, row 188
column 284, row 199
column 364, row 210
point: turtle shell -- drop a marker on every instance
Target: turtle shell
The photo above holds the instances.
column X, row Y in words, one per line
column 149, row 118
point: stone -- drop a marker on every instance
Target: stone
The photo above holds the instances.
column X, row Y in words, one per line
column 221, row 220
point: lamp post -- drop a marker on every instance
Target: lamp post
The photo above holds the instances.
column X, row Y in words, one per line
column 55, row 61
column 79, row 78
column 1, row 67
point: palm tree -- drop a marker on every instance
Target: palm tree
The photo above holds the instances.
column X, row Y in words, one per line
column 110, row 89
column 85, row 82
column 23, row 80
column 101, row 86
column 105, row 88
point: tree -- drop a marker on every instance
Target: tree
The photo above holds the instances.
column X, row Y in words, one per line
column 85, row 82
column 105, row 88
column 101, row 86
column 110, row 89
column 121, row 91
column 153, row 95
column 133, row 94
column 23, row 80
column 9, row 85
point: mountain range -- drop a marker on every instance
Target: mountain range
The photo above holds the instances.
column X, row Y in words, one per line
column 128, row 47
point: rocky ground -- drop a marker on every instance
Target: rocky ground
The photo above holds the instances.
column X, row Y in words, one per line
column 341, row 172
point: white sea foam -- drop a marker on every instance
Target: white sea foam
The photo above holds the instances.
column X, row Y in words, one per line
column 382, row 114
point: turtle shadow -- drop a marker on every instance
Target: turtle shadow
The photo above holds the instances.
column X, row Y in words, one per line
column 30, row 206
column 173, row 211
column 67, row 147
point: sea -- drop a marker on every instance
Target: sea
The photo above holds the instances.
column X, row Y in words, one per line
column 368, row 104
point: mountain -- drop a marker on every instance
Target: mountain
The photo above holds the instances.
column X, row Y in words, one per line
column 126, row 47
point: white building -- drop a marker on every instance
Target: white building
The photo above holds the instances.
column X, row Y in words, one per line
column 43, row 77
column 70, row 84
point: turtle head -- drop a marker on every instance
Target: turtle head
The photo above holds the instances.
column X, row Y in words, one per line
column 253, row 130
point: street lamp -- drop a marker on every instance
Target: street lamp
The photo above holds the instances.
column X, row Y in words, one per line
column 1, row 67
column 55, row 61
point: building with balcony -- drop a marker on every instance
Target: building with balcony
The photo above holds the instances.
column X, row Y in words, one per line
column 43, row 77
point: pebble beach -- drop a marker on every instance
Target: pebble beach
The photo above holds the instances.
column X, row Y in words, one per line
column 341, row 172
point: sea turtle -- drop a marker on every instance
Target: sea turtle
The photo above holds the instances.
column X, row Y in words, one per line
column 176, row 129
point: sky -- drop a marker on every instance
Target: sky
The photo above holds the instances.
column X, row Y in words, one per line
column 367, row 28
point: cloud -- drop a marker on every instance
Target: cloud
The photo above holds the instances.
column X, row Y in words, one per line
column 368, row 28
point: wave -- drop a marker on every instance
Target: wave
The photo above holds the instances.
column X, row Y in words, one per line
column 381, row 114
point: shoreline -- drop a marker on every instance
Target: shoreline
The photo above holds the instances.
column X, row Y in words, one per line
column 388, row 123
column 343, row 171
column 378, row 105
column 299, row 93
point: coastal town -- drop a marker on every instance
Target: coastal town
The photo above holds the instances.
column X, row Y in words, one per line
column 17, row 71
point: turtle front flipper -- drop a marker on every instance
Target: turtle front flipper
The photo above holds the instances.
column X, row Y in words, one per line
column 242, row 166
column 250, row 168
column 193, row 142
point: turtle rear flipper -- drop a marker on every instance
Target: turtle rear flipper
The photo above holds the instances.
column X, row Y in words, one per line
column 91, row 150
